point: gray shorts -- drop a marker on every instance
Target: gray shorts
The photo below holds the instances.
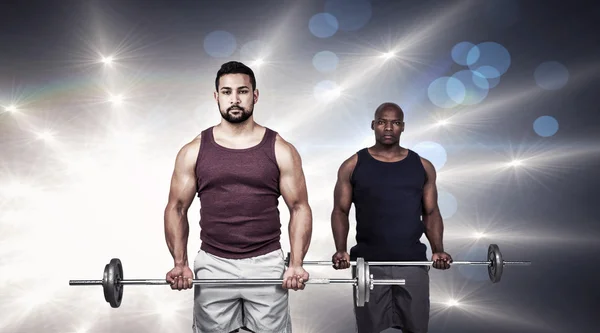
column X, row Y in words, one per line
column 224, row 309
column 404, row 307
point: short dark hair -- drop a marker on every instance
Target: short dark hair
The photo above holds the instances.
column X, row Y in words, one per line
column 235, row 67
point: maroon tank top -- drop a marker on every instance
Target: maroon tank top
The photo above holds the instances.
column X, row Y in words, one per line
column 239, row 192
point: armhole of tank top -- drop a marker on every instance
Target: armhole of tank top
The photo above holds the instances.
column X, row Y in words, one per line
column 203, row 143
column 418, row 160
column 358, row 161
column 271, row 138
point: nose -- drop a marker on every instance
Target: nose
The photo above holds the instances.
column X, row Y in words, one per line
column 234, row 98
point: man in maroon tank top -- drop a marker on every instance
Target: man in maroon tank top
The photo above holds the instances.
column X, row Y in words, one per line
column 238, row 169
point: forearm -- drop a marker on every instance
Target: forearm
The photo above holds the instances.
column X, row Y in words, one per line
column 434, row 230
column 300, row 230
column 340, row 225
column 176, row 234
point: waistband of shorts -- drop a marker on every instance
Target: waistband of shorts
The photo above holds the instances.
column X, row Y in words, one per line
column 268, row 248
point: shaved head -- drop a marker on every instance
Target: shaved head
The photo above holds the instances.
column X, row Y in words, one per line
column 388, row 124
column 391, row 107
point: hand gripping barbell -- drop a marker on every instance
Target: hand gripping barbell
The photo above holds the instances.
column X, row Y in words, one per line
column 495, row 263
column 112, row 282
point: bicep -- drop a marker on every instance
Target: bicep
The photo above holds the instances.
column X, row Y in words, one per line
column 292, row 183
column 430, row 193
column 183, row 181
column 342, row 194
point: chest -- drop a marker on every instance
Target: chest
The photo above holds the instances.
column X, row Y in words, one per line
column 389, row 180
column 253, row 169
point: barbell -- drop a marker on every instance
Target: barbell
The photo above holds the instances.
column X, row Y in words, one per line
column 112, row 282
column 495, row 263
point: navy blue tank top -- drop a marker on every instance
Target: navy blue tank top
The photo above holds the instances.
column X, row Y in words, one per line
column 387, row 197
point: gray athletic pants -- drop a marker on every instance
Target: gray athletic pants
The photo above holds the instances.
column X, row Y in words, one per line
column 404, row 307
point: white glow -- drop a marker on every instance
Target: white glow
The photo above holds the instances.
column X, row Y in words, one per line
column 11, row 108
column 335, row 93
column 15, row 189
column 388, row 55
column 258, row 62
column 116, row 99
column 107, row 60
column 12, row 217
column 479, row 235
column 515, row 163
column 81, row 165
column 46, row 135
column 452, row 302
column 443, row 122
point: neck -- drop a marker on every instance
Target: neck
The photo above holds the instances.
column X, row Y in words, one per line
column 378, row 147
column 246, row 127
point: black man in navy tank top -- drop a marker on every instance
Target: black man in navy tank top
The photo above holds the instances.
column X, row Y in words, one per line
column 395, row 198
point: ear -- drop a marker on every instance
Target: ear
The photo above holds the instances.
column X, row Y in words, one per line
column 373, row 124
column 402, row 128
column 216, row 95
column 255, row 93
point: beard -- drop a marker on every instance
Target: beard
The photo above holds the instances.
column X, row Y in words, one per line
column 239, row 118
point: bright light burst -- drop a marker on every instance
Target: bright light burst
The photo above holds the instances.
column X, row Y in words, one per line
column 388, row 55
column 479, row 235
column 116, row 99
column 515, row 163
column 452, row 302
column 107, row 60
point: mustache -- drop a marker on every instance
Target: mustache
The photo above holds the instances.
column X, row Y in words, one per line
column 235, row 107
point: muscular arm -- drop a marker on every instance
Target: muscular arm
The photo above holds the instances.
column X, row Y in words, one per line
column 181, row 195
column 293, row 190
column 434, row 226
column 342, row 201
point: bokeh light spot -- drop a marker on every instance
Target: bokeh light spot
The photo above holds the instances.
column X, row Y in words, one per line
column 489, row 54
column 447, row 203
column 323, row 25
column 325, row 61
column 446, row 92
column 551, row 75
column 476, row 86
column 220, row 44
column 432, row 151
column 460, row 52
column 545, row 126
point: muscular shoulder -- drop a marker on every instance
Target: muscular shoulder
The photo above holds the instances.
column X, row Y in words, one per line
column 285, row 152
column 429, row 168
column 188, row 154
column 347, row 167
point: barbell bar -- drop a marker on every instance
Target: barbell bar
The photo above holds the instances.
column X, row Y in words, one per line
column 113, row 282
column 495, row 263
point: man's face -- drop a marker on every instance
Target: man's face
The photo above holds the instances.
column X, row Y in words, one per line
column 388, row 125
column 235, row 97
